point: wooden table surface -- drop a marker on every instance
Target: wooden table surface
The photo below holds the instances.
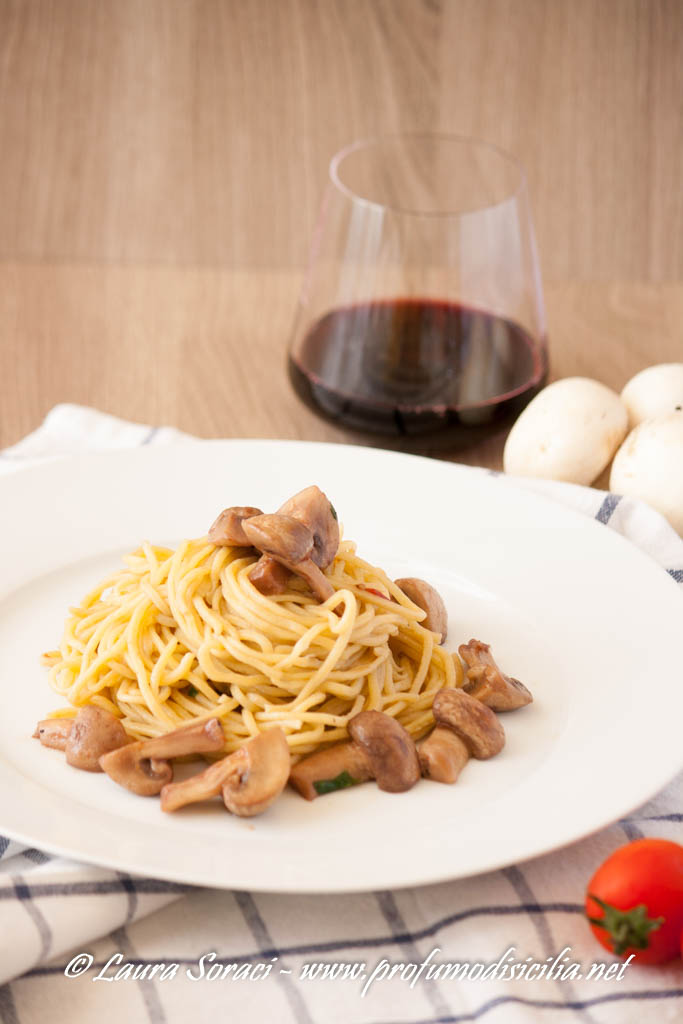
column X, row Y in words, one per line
column 162, row 161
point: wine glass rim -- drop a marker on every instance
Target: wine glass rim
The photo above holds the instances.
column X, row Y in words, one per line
column 375, row 140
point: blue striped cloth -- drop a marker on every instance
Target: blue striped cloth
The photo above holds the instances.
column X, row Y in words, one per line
column 434, row 954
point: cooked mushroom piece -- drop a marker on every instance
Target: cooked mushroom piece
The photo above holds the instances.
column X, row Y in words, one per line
column 429, row 600
column 474, row 732
column 202, row 786
column 94, row 732
column 485, row 681
column 289, row 542
column 261, row 776
column 389, row 748
column 227, row 527
column 249, row 780
column 269, row 576
column 336, row 767
column 144, row 767
column 314, row 509
column 53, row 732
column 442, row 754
column 379, row 749
column 281, row 536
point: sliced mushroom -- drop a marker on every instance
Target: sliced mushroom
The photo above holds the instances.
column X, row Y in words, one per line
column 290, row 542
column 144, row 767
column 269, row 576
column 314, row 509
column 472, row 721
column 227, row 528
column 380, row 749
column 280, row 535
column 53, row 732
column 336, row 767
column 464, row 728
column 429, row 600
column 261, row 777
column 249, row 780
column 485, row 681
column 203, row 785
column 443, row 755
column 94, row 732
column 389, row 748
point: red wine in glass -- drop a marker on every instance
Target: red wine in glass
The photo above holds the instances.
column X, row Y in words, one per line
column 421, row 317
column 418, row 367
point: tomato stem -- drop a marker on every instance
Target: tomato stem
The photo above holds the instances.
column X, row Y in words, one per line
column 628, row 929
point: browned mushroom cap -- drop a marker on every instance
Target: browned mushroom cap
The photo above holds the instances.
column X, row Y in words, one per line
column 485, row 681
column 472, row 721
column 227, row 528
column 443, row 755
column 54, row 732
column 94, row 732
column 280, row 536
column 250, row 779
column 132, row 770
column 262, row 775
column 337, row 767
column 269, row 576
column 314, row 509
column 389, row 748
column 290, row 542
column 426, row 597
column 143, row 767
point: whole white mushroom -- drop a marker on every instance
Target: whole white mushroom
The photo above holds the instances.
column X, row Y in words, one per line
column 656, row 391
column 569, row 431
column 649, row 466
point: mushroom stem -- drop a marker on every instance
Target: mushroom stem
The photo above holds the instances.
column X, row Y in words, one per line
column 250, row 779
column 485, row 681
column 143, row 767
column 309, row 571
column 379, row 749
column 443, row 755
column 269, row 576
column 335, row 767
column 202, row 786
column 54, row 732
column 291, row 543
column 464, row 728
column 196, row 738
column 262, row 775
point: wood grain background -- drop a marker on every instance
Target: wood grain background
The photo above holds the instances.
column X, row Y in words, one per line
column 199, row 131
column 161, row 164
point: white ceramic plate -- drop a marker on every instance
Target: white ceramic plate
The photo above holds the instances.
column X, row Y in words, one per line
column 587, row 621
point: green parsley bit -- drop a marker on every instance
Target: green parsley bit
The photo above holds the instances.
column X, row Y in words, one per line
column 192, row 691
column 342, row 781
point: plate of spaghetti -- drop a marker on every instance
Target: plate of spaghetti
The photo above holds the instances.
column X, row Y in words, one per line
column 215, row 629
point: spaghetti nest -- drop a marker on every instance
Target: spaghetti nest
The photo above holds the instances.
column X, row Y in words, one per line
column 183, row 634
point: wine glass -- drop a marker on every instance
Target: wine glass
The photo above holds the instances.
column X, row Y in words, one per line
column 421, row 314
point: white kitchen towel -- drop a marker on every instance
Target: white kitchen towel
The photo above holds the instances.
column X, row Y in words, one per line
column 435, row 954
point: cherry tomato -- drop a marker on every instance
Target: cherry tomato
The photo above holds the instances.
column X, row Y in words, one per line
column 371, row 590
column 634, row 901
